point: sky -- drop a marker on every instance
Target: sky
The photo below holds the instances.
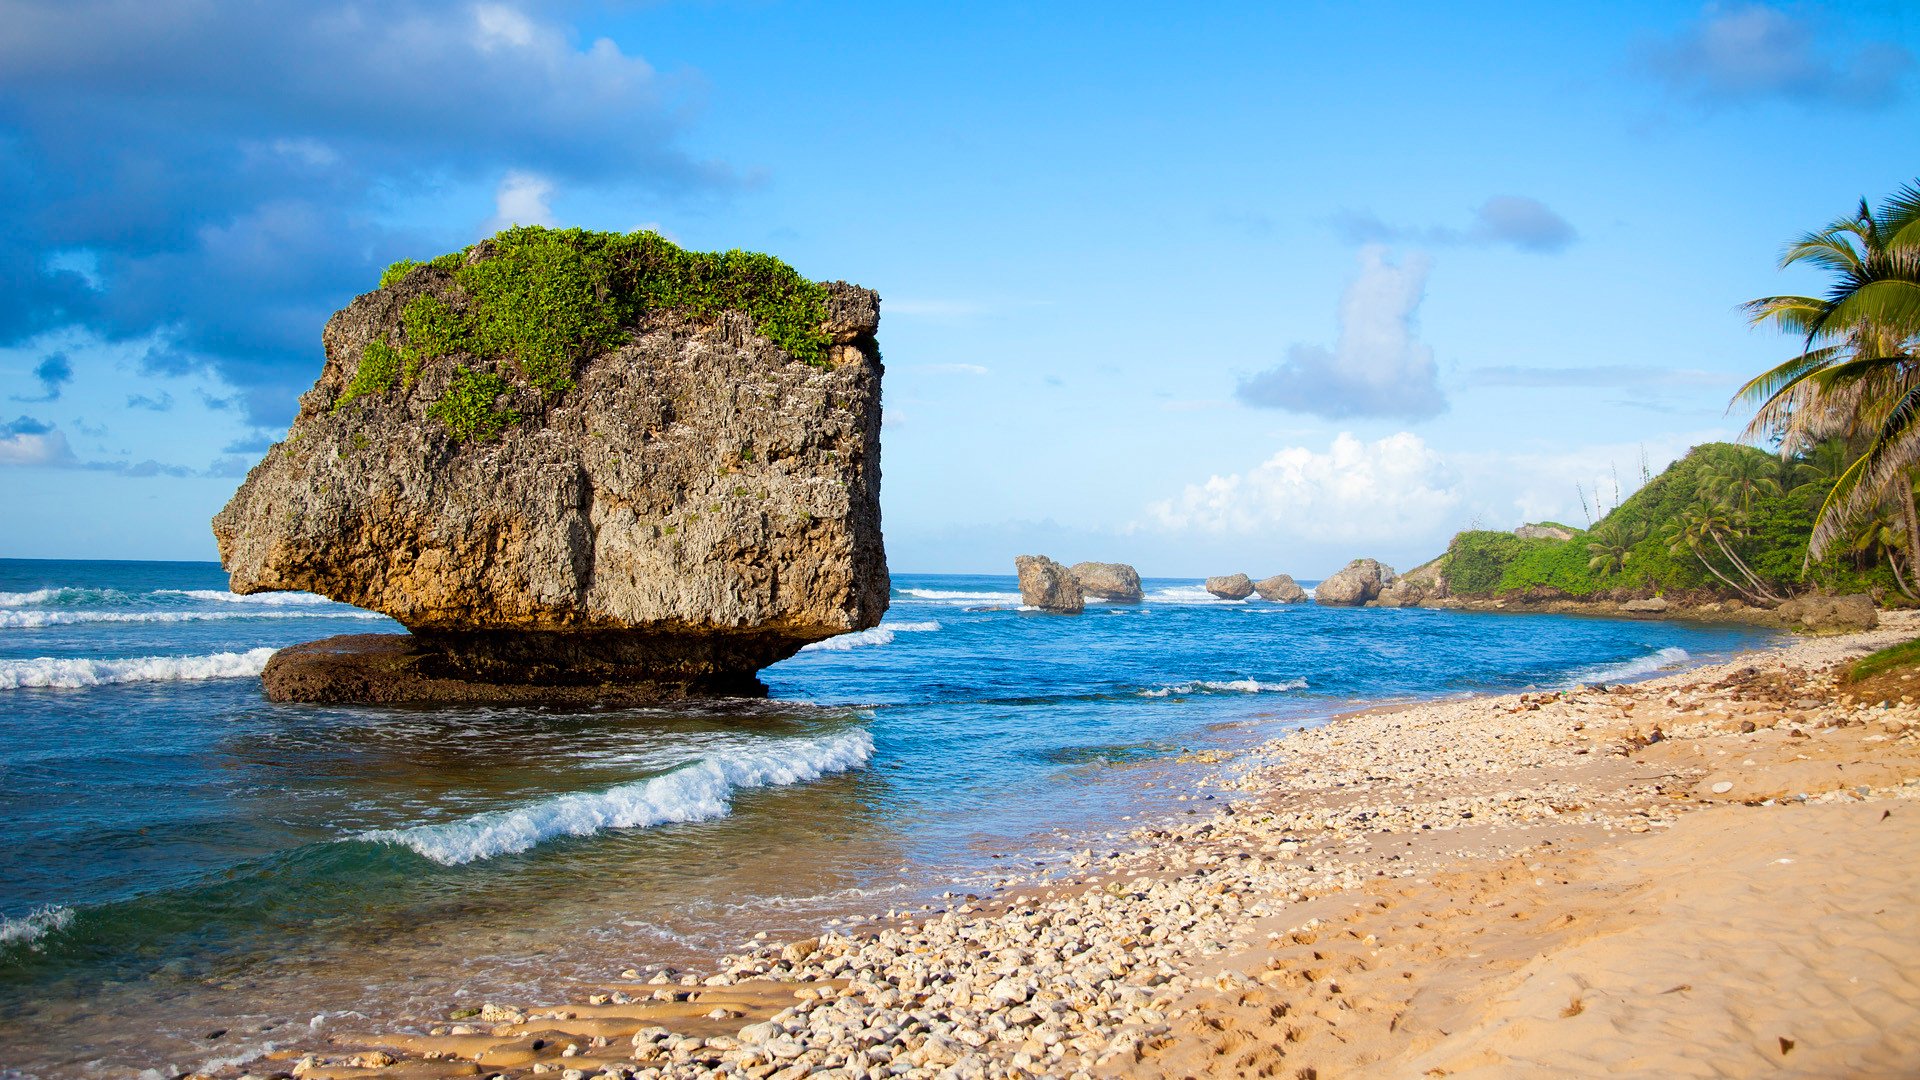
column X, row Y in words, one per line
column 1253, row 288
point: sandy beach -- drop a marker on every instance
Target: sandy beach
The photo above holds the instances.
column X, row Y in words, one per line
column 1707, row 874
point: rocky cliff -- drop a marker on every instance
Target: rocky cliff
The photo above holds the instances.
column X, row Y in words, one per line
column 568, row 459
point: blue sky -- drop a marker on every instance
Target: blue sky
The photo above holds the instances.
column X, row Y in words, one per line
column 1262, row 288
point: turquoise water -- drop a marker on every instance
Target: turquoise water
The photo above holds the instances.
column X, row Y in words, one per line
column 179, row 857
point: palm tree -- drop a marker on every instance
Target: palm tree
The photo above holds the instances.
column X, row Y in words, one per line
column 1735, row 481
column 1857, row 375
column 1612, row 546
column 1705, row 523
column 1816, row 469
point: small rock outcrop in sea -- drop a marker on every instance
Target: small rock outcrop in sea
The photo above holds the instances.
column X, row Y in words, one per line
column 1047, row 585
column 1545, row 530
column 1231, row 586
column 1652, row 605
column 1829, row 614
column 1110, row 581
column 1281, row 589
column 1401, row 592
column 1357, row 583
column 577, row 466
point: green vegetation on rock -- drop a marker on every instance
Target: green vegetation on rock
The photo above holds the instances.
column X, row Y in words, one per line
column 468, row 407
column 549, row 299
column 379, row 370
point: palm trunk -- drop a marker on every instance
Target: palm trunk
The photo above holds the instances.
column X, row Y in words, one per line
column 1732, row 584
column 1893, row 561
column 1746, row 571
column 1912, row 517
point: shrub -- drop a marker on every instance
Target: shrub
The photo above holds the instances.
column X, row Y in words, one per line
column 467, row 407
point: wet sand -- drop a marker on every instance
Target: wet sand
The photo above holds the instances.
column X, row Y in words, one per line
column 1709, row 874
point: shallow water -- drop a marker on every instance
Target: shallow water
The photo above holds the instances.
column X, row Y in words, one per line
column 179, row 856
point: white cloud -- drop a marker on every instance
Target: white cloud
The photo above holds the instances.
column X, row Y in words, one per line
column 1385, row 490
column 522, row 199
column 496, row 26
column 1377, row 367
column 1750, row 52
column 27, row 442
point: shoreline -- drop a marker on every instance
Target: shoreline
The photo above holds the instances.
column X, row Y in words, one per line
column 1201, row 949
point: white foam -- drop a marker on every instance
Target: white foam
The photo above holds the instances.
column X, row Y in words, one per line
column 1663, row 660
column 34, row 925
column 272, row 599
column 954, row 596
column 1234, row 686
column 697, row 791
column 32, row 619
column 1186, row 594
column 877, row 635
column 66, row 674
column 65, row 593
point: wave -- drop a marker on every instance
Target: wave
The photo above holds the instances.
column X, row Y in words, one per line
column 1186, row 594
column 962, row 596
column 877, row 635
column 270, row 599
column 697, row 791
column 1234, row 686
column 1663, row 660
column 65, row 674
column 61, row 594
column 33, row 926
column 33, row 619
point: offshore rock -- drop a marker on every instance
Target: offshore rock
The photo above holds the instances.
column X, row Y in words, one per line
column 1281, row 589
column 698, row 505
column 1110, row 581
column 1359, row 582
column 1047, row 585
column 1230, row 586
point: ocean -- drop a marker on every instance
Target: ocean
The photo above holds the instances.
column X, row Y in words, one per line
column 190, row 874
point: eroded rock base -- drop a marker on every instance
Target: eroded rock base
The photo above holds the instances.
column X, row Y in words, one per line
column 393, row 669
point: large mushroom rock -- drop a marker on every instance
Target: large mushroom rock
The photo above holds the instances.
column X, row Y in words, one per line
column 1231, row 586
column 1110, row 581
column 1359, row 582
column 1281, row 589
column 1047, row 585
column 576, row 466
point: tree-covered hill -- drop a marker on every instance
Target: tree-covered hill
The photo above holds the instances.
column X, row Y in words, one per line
column 1725, row 520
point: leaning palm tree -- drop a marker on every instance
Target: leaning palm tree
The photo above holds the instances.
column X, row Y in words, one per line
column 1858, row 372
column 1709, row 523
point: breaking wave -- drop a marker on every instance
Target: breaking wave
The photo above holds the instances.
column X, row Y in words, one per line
column 962, row 596
column 31, row 927
column 32, row 619
column 269, row 599
column 1186, row 594
column 72, row 674
column 878, row 635
column 1666, row 659
column 697, row 791
column 61, row 594
column 1234, row 686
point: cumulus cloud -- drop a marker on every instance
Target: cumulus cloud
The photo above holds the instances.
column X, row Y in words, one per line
column 248, row 204
column 1352, row 491
column 163, row 403
column 1377, row 367
column 1514, row 220
column 1748, row 52
column 27, row 441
